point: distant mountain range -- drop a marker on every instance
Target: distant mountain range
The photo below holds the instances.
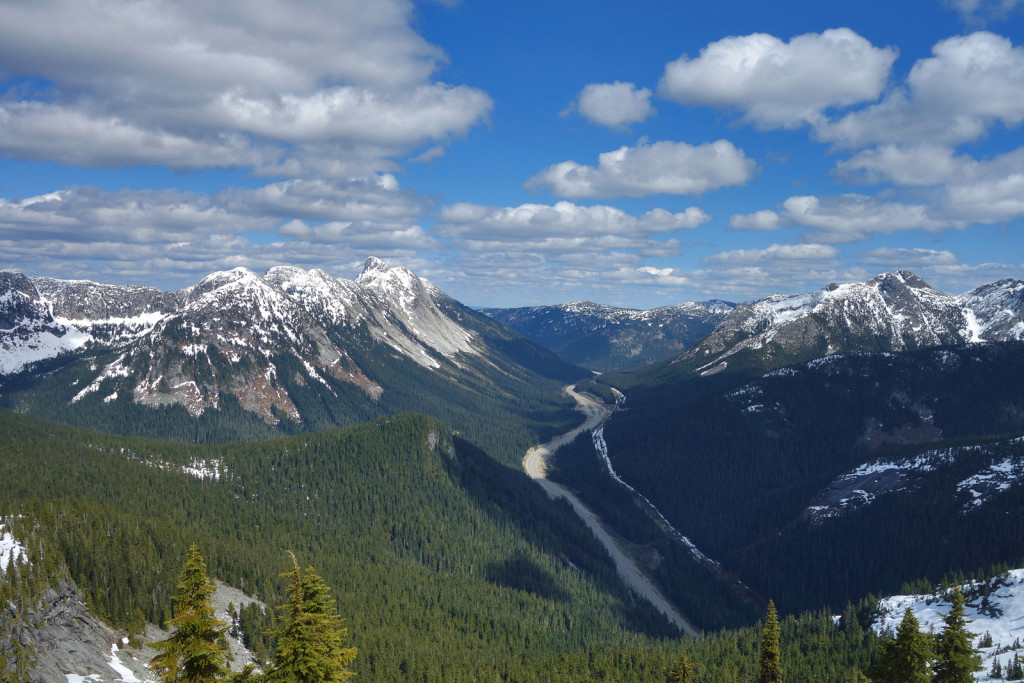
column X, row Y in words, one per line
column 291, row 347
column 891, row 312
column 606, row 338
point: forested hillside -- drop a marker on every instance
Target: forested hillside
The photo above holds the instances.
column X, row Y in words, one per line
column 441, row 559
column 438, row 572
column 445, row 564
column 742, row 465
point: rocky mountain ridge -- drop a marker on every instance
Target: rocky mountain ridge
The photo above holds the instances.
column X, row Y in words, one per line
column 891, row 312
column 241, row 334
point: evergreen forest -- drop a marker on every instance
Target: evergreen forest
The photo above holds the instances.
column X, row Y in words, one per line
column 448, row 563
column 735, row 462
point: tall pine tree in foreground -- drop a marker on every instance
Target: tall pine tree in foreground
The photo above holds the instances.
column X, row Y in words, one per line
column 956, row 660
column 905, row 659
column 309, row 647
column 769, row 668
column 196, row 652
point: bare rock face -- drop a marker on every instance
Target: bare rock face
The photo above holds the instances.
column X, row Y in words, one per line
column 67, row 639
column 998, row 309
column 19, row 303
column 85, row 300
column 67, row 642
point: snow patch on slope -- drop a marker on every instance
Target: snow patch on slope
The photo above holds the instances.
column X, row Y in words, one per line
column 18, row 352
column 997, row 478
column 1000, row 614
column 862, row 485
column 115, row 369
column 10, row 548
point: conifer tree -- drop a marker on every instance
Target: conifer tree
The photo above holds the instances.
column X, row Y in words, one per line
column 769, row 669
column 997, row 668
column 196, row 652
column 1015, row 669
column 956, row 659
column 681, row 671
column 309, row 647
column 905, row 659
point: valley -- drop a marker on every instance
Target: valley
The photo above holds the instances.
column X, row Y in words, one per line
column 378, row 428
column 456, row 341
column 535, row 464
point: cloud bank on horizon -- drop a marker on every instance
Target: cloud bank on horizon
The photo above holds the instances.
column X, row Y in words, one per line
column 627, row 153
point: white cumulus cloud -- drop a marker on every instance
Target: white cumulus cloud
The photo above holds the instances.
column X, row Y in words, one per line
column 615, row 104
column 650, row 168
column 968, row 190
column 561, row 220
column 276, row 86
column 776, row 252
column 374, row 198
column 766, row 219
column 968, row 84
column 892, row 258
column 905, row 165
column 778, row 84
column 852, row 217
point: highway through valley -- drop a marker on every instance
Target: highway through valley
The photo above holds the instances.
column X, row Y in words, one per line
column 535, row 462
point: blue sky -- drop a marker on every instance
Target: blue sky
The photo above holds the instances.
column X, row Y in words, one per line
column 637, row 154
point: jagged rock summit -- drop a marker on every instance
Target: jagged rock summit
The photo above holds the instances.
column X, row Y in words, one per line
column 259, row 339
column 891, row 312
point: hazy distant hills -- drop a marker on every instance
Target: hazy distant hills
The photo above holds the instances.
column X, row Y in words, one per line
column 607, row 338
column 246, row 354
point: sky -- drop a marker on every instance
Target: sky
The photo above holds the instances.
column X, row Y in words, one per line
column 638, row 154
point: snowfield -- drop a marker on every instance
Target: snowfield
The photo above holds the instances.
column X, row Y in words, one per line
column 999, row 614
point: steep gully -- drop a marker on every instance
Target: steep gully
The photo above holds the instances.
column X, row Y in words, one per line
column 534, row 463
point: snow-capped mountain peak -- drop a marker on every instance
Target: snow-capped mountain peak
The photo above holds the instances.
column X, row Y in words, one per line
column 413, row 303
column 396, row 284
column 890, row 312
column 229, row 332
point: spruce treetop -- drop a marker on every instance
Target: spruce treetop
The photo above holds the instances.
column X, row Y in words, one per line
column 956, row 659
column 769, row 668
column 196, row 652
